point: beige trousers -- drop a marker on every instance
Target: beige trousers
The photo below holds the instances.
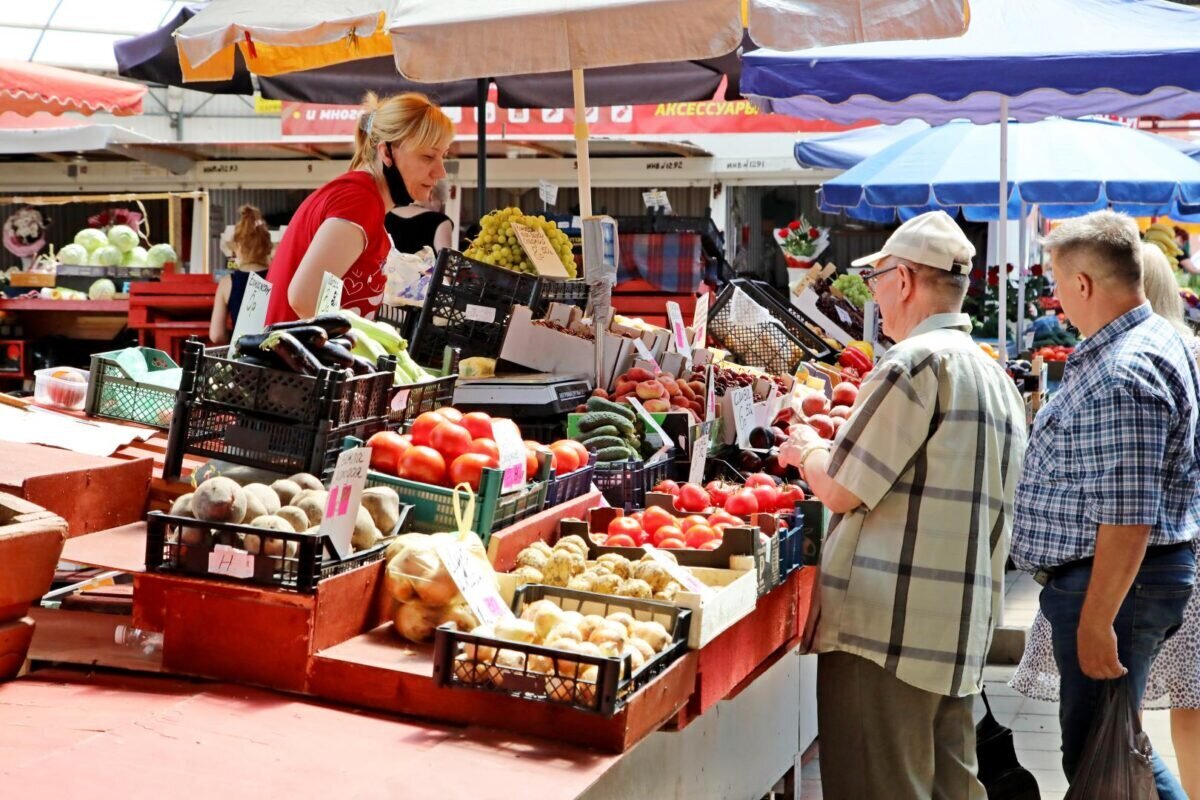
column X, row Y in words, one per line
column 883, row 739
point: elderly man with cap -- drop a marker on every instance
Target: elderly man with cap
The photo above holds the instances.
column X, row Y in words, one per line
column 920, row 481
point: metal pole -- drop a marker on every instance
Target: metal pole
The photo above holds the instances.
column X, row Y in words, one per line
column 481, row 96
column 1021, row 266
column 1002, row 245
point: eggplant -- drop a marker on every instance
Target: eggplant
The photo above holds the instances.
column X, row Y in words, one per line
column 259, row 359
column 294, row 355
column 332, row 355
column 333, row 322
column 311, row 336
column 362, row 366
column 343, row 341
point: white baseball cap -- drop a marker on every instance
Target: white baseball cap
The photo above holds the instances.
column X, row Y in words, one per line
column 933, row 239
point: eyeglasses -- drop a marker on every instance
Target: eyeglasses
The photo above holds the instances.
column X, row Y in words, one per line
column 872, row 275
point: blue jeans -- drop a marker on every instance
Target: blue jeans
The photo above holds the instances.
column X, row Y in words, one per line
column 1150, row 614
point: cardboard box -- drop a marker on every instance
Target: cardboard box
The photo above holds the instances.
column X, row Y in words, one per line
column 549, row 350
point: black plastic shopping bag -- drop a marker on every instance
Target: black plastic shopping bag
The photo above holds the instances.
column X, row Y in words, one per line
column 1116, row 761
column 999, row 770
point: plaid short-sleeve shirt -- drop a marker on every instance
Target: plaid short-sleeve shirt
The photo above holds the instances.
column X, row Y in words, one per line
column 911, row 580
column 1118, row 444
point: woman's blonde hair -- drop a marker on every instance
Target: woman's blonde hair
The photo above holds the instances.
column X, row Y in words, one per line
column 251, row 237
column 1161, row 288
column 410, row 119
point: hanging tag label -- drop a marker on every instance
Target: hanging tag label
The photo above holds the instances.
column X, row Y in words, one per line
column 512, row 454
column 678, row 333
column 700, row 321
column 656, row 432
column 742, row 400
column 226, row 560
column 843, row 315
column 644, row 353
column 252, row 315
column 548, row 192
column 540, row 252
column 650, row 198
column 473, row 582
column 480, row 313
column 681, row 574
column 330, row 298
column 345, row 495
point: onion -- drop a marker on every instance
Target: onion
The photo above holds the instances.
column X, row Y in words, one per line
column 415, row 621
column 461, row 615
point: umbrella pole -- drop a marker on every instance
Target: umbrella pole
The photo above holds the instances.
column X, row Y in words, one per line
column 481, row 95
column 1021, row 259
column 601, row 290
column 1002, row 244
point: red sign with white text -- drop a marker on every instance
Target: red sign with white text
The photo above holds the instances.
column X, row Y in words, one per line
column 707, row 116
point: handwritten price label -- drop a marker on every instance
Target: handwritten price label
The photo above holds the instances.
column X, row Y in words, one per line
column 230, row 561
column 476, row 586
column 679, row 334
column 644, row 353
column 699, row 458
column 330, row 298
column 345, row 495
column 742, row 399
column 700, row 321
column 710, row 395
column 512, row 453
column 543, row 255
column 547, row 191
column 252, row 315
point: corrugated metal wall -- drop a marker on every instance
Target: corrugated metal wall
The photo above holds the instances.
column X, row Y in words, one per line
column 616, row 201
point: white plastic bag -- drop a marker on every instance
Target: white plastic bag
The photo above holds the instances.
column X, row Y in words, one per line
column 408, row 276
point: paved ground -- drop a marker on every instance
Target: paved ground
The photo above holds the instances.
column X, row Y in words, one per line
column 1034, row 723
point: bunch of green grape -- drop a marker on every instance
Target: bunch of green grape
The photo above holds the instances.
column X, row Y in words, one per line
column 853, row 288
column 497, row 243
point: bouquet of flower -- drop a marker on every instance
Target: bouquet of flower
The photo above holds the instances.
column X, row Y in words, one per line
column 25, row 232
column 801, row 243
column 115, row 216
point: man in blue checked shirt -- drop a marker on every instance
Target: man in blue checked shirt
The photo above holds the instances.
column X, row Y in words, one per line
column 1108, row 503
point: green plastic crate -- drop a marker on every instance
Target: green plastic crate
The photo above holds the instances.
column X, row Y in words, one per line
column 114, row 392
column 433, row 506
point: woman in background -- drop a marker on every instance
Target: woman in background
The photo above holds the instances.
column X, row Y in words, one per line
column 419, row 225
column 252, row 253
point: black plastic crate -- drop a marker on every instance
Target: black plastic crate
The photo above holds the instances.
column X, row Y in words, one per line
column 615, row 684
column 777, row 345
column 409, row 402
column 571, row 485
column 573, row 293
column 625, row 485
column 268, row 418
column 402, row 318
column 300, row 571
column 468, row 307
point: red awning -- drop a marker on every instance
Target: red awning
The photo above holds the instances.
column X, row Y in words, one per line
column 27, row 88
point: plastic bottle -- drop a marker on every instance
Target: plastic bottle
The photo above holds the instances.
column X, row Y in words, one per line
column 148, row 642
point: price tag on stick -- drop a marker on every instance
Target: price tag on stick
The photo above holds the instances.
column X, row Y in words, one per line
column 345, row 495
column 541, row 253
column 512, row 453
column 547, row 191
column 700, row 321
column 477, row 587
column 252, row 315
column 655, row 430
column 699, row 458
column 330, row 297
column 644, row 353
column 678, row 332
column 742, row 400
column 710, row 394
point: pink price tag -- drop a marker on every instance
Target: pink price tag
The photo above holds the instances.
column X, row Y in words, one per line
column 512, row 454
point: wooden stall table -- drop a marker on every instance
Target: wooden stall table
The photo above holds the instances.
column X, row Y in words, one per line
column 166, row 312
column 66, row 733
column 75, row 319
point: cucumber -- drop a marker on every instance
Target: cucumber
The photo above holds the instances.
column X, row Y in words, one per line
column 600, row 404
column 603, row 430
column 616, row 453
column 603, row 442
column 598, row 419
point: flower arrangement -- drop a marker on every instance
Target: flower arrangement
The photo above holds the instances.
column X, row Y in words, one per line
column 115, row 216
column 983, row 297
column 25, row 232
column 801, row 243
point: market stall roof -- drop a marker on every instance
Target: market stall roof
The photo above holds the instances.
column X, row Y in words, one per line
column 1049, row 57
column 1066, row 167
column 27, row 88
column 846, row 150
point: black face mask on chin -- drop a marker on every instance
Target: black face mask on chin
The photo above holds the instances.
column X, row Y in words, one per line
column 395, row 182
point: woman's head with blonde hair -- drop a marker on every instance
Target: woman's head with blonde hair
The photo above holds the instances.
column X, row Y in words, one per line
column 1161, row 288
column 408, row 131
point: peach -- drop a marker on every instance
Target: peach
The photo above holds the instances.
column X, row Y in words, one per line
column 637, row 375
column 671, row 386
column 656, row 405
column 844, row 394
column 679, row 402
column 838, row 422
column 600, row 393
column 651, row 390
column 815, row 403
column 840, row 412
column 624, row 386
column 822, row 424
column 697, row 386
column 686, row 390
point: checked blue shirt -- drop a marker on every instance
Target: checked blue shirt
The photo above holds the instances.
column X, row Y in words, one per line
column 1118, row 444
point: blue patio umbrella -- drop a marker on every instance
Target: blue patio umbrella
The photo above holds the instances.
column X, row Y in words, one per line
column 1065, row 167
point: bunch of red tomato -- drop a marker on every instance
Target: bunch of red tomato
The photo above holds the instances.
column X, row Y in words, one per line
column 760, row 494
column 1054, row 352
column 661, row 528
column 447, row 447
